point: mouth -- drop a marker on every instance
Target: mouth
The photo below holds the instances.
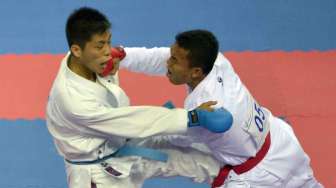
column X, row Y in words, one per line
column 103, row 65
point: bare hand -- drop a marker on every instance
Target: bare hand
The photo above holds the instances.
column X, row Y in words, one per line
column 207, row 106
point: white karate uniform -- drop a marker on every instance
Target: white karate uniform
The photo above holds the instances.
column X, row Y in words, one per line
column 285, row 164
column 90, row 120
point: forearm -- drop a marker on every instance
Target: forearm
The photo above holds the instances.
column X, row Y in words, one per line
column 134, row 122
column 146, row 60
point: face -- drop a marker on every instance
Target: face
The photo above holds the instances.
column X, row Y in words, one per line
column 96, row 53
column 179, row 71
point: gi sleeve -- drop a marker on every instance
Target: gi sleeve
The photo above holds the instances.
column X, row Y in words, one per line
column 130, row 122
column 146, row 60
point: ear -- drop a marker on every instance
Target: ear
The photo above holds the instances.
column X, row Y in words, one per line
column 196, row 72
column 76, row 50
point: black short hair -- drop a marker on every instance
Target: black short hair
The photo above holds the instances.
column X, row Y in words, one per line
column 202, row 46
column 83, row 23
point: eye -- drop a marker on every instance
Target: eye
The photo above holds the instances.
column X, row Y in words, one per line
column 99, row 47
column 173, row 59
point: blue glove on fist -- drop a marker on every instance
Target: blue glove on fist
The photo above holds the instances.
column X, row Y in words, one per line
column 218, row 121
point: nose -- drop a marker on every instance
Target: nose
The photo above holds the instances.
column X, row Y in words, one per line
column 168, row 63
column 107, row 50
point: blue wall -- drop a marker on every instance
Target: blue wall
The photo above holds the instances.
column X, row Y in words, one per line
column 37, row 26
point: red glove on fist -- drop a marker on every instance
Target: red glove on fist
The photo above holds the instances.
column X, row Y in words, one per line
column 117, row 52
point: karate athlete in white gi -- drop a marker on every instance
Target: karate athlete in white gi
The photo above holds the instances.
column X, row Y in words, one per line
column 91, row 122
column 258, row 150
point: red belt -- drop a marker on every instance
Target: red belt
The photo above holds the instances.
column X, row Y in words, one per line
column 244, row 167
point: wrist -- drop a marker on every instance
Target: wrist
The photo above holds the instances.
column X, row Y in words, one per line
column 193, row 119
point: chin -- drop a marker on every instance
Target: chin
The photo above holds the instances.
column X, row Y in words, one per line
column 174, row 82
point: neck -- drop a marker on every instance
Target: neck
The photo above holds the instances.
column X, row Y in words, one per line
column 77, row 67
column 193, row 84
